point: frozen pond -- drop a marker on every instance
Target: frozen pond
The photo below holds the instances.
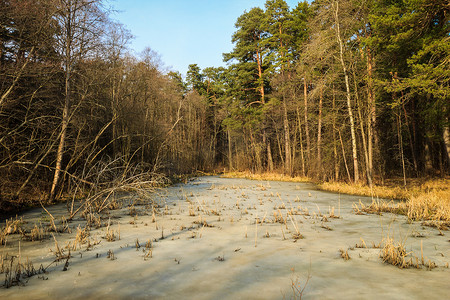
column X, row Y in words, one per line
column 217, row 238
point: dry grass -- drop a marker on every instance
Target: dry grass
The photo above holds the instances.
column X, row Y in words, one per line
column 13, row 226
column 427, row 200
column 433, row 205
column 391, row 189
column 148, row 251
column 266, row 176
column 110, row 255
column 344, row 254
column 394, row 253
column 82, row 236
column 380, row 206
column 92, row 220
column 38, row 233
column 16, row 226
column 377, row 191
column 17, row 272
column 220, row 258
column 111, row 235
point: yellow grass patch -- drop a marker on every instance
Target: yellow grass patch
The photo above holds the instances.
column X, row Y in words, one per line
column 394, row 253
column 376, row 191
column 266, row 176
column 433, row 205
column 426, row 201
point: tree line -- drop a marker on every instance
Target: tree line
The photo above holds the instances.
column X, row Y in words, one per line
column 78, row 111
column 336, row 90
column 333, row 90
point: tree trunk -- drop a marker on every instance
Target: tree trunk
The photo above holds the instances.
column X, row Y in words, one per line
column 294, row 151
column 280, row 150
column 366, row 152
column 336, row 162
column 261, row 91
column 68, row 40
column 230, row 158
column 114, row 105
column 345, row 159
column 319, row 133
column 287, row 141
column 446, row 135
column 62, row 139
column 347, row 87
column 302, row 156
column 259, row 63
column 371, row 118
column 269, row 158
column 308, row 143
column 400, row 145
column 257, row 152
column 363, row 132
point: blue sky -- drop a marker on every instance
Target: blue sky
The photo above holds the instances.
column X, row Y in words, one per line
column 184, row 32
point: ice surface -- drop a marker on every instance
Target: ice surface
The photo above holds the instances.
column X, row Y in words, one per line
column 232, row 248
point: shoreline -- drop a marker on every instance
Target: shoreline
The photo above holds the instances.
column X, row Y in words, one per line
column 423, row 199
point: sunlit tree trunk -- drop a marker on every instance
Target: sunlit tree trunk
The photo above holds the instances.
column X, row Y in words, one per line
column 344, row 157
column 287, row 140
column 366, row 152
column 308, row 143
column 400, row 145
column 68, row 37
column 446, row 136
column 260, row 76
column 319, row 132
column 230, row 157
column 279, row 144
column 359, row 106
column 371, row 118
column 335, row 152
column 269, row 158
column 80, row 28
column 302, row 156
column 348, row 94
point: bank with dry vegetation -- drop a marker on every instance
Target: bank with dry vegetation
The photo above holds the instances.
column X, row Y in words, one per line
column 268, row 176
column 426, row 200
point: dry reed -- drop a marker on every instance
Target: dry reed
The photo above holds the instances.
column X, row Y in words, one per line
column 111, row 235
column 394, row 253
column 427, row 201
column 266, row 177
column 17, row 272
column 344, row 254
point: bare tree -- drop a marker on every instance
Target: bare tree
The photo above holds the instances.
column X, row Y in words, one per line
column 80, row 22
column 337, row 26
